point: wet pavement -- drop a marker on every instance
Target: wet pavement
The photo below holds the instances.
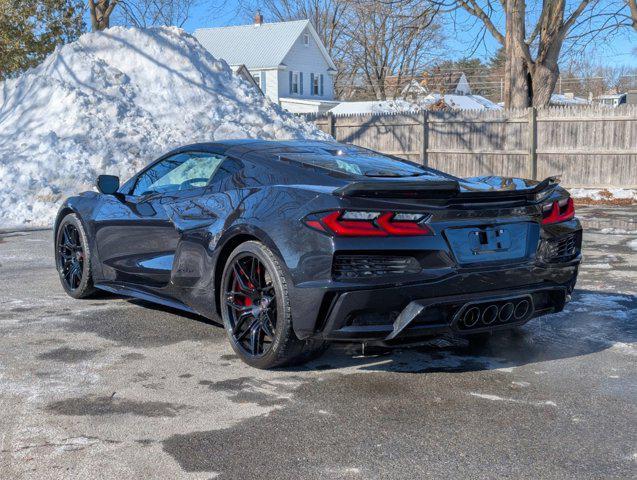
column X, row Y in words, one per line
column 115, row 388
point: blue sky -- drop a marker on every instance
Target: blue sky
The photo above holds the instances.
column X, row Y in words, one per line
column 619, row 50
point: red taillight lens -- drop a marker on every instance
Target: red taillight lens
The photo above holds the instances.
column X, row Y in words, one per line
column 369, row 224
column 559, row 211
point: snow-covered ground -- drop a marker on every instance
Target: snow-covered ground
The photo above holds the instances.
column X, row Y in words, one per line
column 374, row 106
column 453, row 101
column 111, row 102
column 605, row 195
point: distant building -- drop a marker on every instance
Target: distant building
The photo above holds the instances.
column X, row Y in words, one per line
column 614, row 100
column 454, row 83
column 568, row 100
column 287, row 60
column 631, row 97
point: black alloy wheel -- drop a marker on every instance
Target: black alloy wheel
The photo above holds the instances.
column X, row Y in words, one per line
column 251, row 303
column 71, row 254
column 73, row 258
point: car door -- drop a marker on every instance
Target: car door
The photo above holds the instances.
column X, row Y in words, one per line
column 136, row 236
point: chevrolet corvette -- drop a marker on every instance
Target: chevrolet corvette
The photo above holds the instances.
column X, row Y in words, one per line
column 300, row 243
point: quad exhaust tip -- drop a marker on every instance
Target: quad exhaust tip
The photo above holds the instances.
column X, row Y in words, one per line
column 471, row 317
column 487, row 314
column 490, row 314
column 521, row 309
column 506, row 312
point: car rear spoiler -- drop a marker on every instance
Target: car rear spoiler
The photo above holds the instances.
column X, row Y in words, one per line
column 392, row 188
column 433, row 189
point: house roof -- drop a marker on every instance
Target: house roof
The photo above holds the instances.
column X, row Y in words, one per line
column 561, row 99
column 257, row 46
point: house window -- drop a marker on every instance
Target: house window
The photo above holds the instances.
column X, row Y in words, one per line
column 316, row 84
column 306, row 39
column 259, row 79
column 295, row 83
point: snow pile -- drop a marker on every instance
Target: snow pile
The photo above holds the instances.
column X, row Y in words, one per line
column 110, row 103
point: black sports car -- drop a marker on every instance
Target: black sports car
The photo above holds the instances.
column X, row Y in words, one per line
column 295, row 244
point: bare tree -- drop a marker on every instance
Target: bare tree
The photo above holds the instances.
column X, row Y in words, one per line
column 390, row 40
column 148, row 13
column 532, row 56
column 139, row 13
column 100, row 11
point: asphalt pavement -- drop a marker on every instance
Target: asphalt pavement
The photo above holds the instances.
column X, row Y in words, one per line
column 117, row 388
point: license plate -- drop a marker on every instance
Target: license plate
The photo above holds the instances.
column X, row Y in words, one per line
column 489, row 240
column 486, row 244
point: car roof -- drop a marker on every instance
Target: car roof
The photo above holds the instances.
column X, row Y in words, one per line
column 244, row 145
column 326, row 155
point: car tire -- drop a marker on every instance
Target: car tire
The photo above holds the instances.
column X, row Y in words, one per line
column 73, row 258
column 284, row 348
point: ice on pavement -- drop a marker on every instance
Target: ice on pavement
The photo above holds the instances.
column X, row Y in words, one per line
column 112, row 101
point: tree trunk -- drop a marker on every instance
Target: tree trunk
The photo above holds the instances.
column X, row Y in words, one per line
column 543, row 80
column 518, row 79
column 519, row 82
column 632, row 4
column 101, row 13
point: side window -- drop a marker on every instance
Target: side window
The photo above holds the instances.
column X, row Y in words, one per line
column 184, row 171
column 228, row 168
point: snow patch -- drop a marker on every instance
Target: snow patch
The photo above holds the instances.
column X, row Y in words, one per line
column 496, row 398
column 111, row 102
column 601, row 194
column 617, row 231
column 600, row 266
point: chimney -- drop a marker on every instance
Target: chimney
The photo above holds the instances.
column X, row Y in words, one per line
column 258, row 18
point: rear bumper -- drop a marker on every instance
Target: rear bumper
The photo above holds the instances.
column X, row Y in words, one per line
column 433, row 316
column 404, row 313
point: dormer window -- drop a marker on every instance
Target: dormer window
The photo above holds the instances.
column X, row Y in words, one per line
column 306, row 39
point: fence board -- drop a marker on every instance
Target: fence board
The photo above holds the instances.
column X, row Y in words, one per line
column 587, row 146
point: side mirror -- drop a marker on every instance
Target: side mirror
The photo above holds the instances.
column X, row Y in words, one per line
column 108, row 184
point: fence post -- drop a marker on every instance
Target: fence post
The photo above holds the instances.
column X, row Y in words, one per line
column 331, row 127
column 533, row 143
column 424, row 140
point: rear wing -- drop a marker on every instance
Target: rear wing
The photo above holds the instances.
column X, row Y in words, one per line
column 441, row 189
column 400, row 188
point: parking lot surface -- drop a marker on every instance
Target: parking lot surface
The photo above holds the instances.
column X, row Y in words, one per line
column 118, row 388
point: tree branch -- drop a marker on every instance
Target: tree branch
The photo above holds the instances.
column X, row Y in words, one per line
column 474, row 9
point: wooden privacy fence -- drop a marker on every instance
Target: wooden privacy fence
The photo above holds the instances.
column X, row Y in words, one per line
column 586, row 147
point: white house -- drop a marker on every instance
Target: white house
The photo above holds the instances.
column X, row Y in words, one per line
column 611, row 100
column 287, row 60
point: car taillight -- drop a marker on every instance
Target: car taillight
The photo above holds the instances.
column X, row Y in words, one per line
column 350, row 223
column 559, row 211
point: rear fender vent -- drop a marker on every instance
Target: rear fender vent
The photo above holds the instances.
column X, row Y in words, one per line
column 562, row 249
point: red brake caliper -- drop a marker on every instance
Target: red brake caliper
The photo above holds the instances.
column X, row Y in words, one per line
column 242, row 299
